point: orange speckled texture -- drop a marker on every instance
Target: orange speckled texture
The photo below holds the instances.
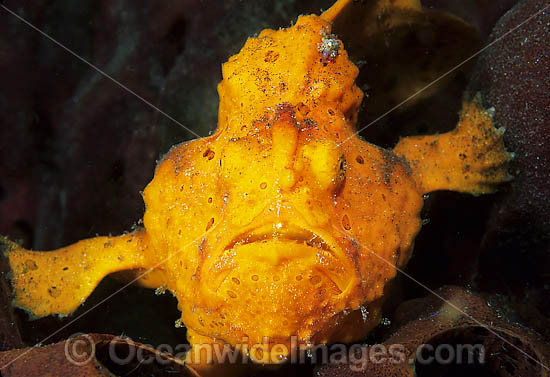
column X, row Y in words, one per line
column 282, row 223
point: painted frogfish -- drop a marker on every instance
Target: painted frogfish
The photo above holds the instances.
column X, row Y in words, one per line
column 283, row 223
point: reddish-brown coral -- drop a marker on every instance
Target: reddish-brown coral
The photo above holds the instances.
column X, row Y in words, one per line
column 514, row 77
column 463, row 319
column 92, row 355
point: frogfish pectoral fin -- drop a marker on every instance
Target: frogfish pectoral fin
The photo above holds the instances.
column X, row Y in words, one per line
column 58, row 281
column 470, row 159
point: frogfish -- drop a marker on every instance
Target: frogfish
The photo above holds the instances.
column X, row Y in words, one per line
column 283, row 224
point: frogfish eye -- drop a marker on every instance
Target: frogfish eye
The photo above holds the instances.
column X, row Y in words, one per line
column 327, row 163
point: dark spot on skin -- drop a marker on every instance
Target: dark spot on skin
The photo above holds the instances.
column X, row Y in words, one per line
column 209, row 154
column 210, row 223
column 2, row 192
column 54, row 292
column 345, row 222
column 271, row 56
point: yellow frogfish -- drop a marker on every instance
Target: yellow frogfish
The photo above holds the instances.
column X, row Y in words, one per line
column 282, row 225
